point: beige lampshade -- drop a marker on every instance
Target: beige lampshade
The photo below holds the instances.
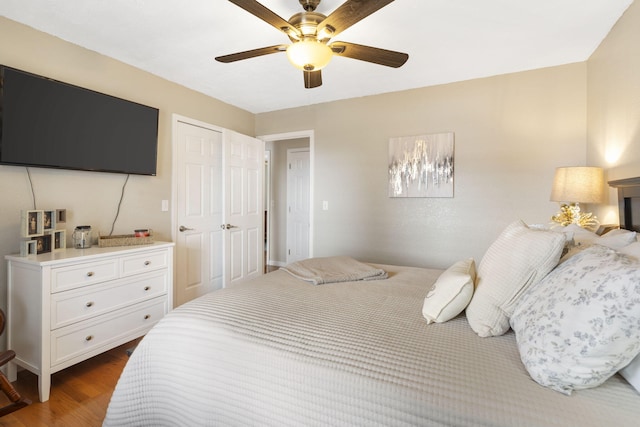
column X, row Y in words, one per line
column 578, row 184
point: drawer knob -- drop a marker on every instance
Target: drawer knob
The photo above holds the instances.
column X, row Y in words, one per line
column 88, row 338
column 147, row 263
column 146, row 288
column 90, row 273
column 89, row 304
column 147, row 316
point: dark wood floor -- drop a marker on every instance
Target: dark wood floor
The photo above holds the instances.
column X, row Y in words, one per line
column 80, row 394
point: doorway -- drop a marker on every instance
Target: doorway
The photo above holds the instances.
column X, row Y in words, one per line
column 276, row 203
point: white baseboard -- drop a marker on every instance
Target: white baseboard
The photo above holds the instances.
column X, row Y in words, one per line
column 276, row 263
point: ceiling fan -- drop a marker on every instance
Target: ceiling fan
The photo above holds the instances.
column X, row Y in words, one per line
column 310, row 33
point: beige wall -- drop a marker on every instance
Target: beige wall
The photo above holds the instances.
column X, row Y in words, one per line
column 614, row 105
column 511, row 132
column 92, row 198
column 278, row 196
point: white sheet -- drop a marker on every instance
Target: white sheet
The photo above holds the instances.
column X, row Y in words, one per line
column 278, row 352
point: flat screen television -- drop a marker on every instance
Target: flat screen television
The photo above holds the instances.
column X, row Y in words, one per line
column 48, row 123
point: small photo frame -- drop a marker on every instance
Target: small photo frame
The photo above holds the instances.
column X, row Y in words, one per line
column 32, row 223
column 27, row 247
column 43, row 244
column 59, row 239
column 61, row 216
column 49, row 219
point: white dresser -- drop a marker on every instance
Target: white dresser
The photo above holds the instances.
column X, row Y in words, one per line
column 67, row 306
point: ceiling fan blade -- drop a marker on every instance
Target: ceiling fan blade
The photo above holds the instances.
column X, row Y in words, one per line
column 251, row 53
column 348, row 14
column 312, row 79
column 268, row 16
column 376, row 55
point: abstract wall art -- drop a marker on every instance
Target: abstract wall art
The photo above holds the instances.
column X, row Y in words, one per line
column 421, row 166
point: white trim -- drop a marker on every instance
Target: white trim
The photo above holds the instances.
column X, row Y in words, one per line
column 295, row 135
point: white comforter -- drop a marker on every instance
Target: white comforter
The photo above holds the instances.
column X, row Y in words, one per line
column 280, row 352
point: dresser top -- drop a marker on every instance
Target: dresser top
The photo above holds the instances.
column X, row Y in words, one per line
column 72, row 254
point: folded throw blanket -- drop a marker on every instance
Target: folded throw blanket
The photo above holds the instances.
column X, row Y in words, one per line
column 333, row 269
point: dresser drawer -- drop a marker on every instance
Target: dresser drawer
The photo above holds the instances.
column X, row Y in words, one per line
column 73, row 341
column 149, row 261
column 83, row 303
column 78, row 275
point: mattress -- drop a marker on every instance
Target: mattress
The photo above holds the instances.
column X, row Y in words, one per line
column 277, row 351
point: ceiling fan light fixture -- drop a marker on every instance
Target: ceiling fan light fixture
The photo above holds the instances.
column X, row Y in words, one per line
column 309, row 55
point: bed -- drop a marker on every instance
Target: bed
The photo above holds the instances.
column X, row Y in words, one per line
column 284, row 351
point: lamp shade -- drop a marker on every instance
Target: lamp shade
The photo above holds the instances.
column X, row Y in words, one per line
column 578, row 184
column 309, row 55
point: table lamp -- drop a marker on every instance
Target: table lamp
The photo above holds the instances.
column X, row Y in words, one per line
column 575, row 185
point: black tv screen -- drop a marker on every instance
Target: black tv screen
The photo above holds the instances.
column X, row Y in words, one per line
column 47, row 123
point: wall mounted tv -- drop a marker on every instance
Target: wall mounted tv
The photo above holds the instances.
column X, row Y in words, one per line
column 47, row 123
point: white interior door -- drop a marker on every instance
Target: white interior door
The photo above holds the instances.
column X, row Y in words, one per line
column 298, row 215
column 244, row 213
column 199, row 210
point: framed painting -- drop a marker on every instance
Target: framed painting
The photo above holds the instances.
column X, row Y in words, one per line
column 421, row 166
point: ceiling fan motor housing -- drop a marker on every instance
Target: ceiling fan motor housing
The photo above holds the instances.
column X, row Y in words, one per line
column 307, row 23
column 309, row 5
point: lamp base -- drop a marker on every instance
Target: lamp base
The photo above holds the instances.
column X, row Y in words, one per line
column 571, row 214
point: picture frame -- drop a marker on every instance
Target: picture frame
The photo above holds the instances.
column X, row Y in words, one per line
column 32, row 223
column 49, row 219
column 61, row 216
column 27, row 247
column 59, row 240
column 43, row 244
column 421, row 165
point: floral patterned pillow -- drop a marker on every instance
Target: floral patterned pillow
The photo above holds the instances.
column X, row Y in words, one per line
column 581, row 323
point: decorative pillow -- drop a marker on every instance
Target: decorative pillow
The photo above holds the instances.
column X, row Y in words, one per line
column 451, row 293
column 581, row 323
column 631, row 373
column 519, row 258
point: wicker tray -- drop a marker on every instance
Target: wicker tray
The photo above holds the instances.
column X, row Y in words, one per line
column 123, row 240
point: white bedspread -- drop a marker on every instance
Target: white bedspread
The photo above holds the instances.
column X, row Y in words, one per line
column 278, row 352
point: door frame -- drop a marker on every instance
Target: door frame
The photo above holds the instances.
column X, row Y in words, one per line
column 297, row 135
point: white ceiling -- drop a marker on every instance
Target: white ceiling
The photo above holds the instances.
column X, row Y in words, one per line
column 447, row 41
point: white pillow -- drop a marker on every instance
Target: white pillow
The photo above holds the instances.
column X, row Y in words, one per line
column 451, row 293
column 631, row 373
column 581, row 323
column 614, row 239
column 519, row 258
column 580, row 235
